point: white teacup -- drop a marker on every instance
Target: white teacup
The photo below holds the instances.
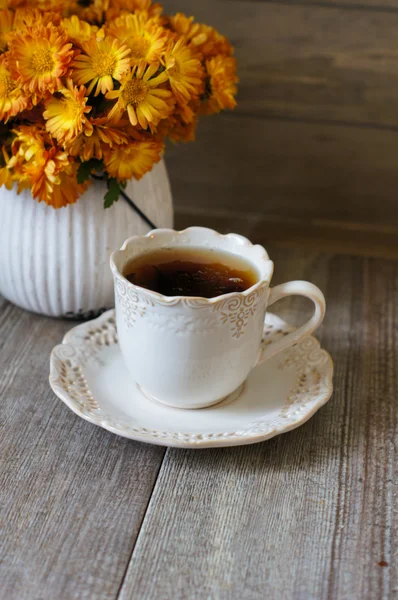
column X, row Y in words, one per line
column 193, row 352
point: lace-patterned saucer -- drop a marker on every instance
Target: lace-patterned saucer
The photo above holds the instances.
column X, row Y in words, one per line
column 88, row 374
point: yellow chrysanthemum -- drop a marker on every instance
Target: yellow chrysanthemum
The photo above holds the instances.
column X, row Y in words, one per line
column 29, row 141
column 39, row 57
column 146, row 103
column 66, row 116
column 78, row 31
column 132, row 160
column 117, row 7
column 6, row 26
column 12, row 98
column 203, row 39
column 222, row 81
column 185, row 73
column 103, row 61
column 91, row 142
column 145, row 38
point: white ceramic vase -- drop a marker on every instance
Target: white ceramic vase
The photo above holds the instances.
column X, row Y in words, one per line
column 56, row 262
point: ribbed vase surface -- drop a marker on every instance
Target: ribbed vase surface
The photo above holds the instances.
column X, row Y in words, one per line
column 56, row 262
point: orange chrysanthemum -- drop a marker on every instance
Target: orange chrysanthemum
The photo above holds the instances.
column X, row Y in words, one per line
column 104, row 79
column 28, row 145
column 142, row 97
column 12, row 98
column 186, row 27
column 45, row 168
column 211, row 43
column 57, row 6
column 102, row 62
column 145, row 38
column 132, row 160
column 78, row 31
column 66, row 190
column 177, row 129
column 66, row 116
column 32, row 17
column 5, row 173
column 6, row 26
column 203, row 39
column 93, row 140
column 92, row 11
column 222, row 81
column 39, row 57
column 184, row 72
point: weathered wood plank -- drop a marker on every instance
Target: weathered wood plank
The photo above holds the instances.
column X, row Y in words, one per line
column 72, row 496
column 377, row 5
column 323, row 236
column 296, row 170
column 310, row 514
column 302, row 61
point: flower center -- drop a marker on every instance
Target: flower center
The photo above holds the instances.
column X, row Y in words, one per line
column 134, row 92
column 73, row 110
column 42, row 61
column 139, row 47
column 104, row 64
column 6, row 86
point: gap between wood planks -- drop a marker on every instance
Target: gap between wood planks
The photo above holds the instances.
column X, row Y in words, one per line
column 119, row 591
column 339, row 237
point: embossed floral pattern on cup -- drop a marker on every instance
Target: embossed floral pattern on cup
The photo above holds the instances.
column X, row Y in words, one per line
column 78, row 360
column 199, row 349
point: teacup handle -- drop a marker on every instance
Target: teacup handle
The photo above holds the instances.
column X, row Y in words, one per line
column 294, row 288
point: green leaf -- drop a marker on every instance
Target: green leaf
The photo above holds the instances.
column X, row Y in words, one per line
column 112, row 195
column 85, row 168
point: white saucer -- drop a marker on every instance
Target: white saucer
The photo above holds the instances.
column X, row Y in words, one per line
column 88, row 374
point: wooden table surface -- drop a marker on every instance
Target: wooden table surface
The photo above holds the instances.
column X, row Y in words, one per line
column 311, row 514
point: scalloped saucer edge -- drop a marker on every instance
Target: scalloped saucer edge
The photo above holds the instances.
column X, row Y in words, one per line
column 88, row 374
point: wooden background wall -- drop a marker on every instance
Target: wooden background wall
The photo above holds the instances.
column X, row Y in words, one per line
column 314, row 138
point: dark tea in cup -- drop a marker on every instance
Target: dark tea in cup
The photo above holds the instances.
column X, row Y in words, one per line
column 191, row 272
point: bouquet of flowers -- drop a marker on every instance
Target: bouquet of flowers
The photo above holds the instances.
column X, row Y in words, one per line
column 95, row 86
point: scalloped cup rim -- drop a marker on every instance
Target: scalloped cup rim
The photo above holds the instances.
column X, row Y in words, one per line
column 262, row 257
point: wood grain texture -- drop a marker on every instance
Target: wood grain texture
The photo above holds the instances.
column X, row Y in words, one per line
column 315, row 132
column 308, row 515
column 323, row 236
column 72, row 496
column 376, row 5
column 289, row 169
column 309, row 62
